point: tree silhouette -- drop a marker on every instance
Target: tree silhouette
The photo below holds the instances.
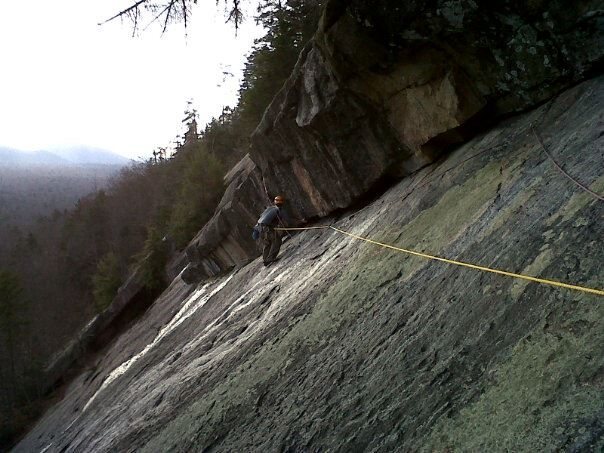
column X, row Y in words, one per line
column 106, row 281
column 170, row 11
column 152, row 260
column 11, row 308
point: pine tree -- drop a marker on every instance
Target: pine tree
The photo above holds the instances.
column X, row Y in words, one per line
column 152, row 260
column 200, row 192
column 290, row 25
column 11, row 320
column 106, row 281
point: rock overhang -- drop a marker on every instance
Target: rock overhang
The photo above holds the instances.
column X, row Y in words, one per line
column 339, row 331
column 384, row 89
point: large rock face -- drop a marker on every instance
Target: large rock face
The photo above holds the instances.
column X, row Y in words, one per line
column 226, row 239
column 345, row 346
column 385, row 87
column 131, row 300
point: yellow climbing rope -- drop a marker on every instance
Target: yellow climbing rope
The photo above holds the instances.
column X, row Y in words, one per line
column 321, row 227
column 457, row 263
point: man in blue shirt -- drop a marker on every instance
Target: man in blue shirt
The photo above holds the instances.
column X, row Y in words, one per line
column 272, row 217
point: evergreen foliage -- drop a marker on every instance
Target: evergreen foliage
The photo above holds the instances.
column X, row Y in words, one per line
column 11, row 312
column 76, row 259
column 106, row 281
column 16, row 377
column 290, row 25
column 225, row 138
column 85, row 238
column 200, row 190
column 152, row 260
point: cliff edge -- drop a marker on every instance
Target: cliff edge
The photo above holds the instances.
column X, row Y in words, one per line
column 346, row 346
column 384, row 89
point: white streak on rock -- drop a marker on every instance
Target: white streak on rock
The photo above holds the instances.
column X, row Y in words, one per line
column 192, row 304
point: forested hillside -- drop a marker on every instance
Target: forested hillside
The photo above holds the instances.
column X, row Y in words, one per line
column 446, row 298
column 68, row 265
column 28, row 192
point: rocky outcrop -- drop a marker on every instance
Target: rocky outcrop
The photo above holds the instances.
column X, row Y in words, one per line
column 226, row 239
column 384, row 88
column 345, row 346
column 131, row 300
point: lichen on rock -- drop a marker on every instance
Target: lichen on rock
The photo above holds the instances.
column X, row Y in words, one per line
column 346, row 346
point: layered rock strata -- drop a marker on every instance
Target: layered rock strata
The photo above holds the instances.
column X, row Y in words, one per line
column 345, row 346
column 384, row 88
column 131, row 301
column 226, row 239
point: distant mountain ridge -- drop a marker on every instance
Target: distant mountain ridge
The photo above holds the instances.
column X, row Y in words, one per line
column 76, row 155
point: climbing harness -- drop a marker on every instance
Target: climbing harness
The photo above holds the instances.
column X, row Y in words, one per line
column 457, row 263
column 269, row 199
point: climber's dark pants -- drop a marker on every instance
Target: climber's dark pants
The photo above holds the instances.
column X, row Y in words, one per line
column 271, row 243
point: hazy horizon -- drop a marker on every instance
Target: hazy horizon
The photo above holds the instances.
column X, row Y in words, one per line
column 59, row 156
column 69, row 82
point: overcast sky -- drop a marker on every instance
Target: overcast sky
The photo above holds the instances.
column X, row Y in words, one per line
column 66, row 81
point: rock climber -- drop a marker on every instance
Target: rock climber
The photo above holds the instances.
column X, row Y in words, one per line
column 274, row 216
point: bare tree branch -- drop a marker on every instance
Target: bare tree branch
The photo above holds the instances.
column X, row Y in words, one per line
column 235, row 15
column 169, row 7
column 184, row 8
column 172, row 10
column 157, row 18
column 135, row 6
column 136, row 14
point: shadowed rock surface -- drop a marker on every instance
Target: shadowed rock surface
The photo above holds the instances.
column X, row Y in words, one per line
column 384, row 87
column 345, row 346
column 131, row 301
column 226, row 239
